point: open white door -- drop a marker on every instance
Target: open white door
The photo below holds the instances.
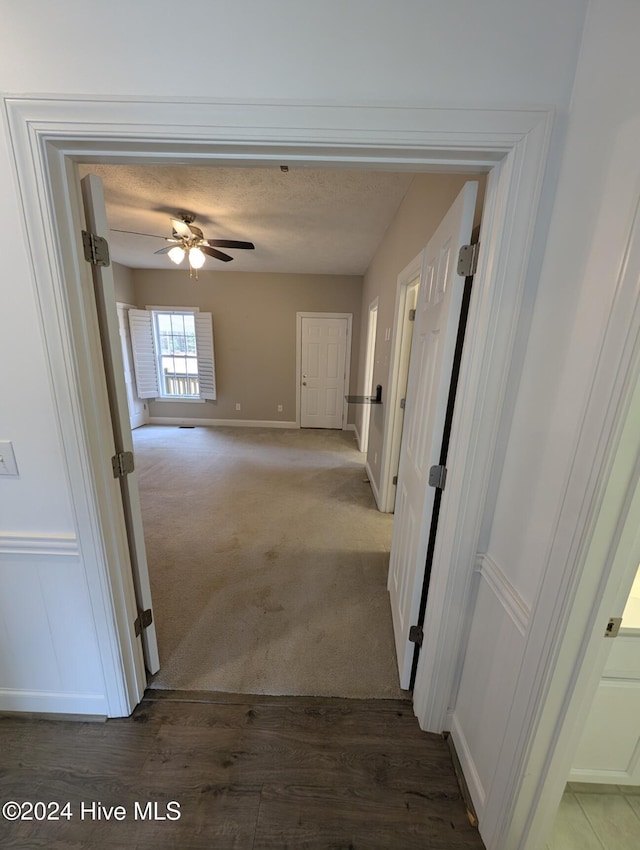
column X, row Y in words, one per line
column 432, row 354
column 323, row 365
column 104, row 289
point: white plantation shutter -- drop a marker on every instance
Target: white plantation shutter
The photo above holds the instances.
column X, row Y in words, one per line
column 206, row 363
column 144, row 353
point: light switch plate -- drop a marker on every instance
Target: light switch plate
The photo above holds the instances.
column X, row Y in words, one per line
column 8, row 465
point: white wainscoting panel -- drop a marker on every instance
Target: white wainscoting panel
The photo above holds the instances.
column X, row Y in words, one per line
column 492, row 662
column 49, row 660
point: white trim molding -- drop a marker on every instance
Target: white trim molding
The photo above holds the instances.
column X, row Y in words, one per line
column 392, row 430
column 505, row 592
column 471, row 776
column 216, row 423
column 51, row 703
column 372, row 483
column 40, row 545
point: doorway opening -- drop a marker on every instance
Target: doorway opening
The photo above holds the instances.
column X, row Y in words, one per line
column 510, row 144
column 320, row 338
column 600, row 804
column 266, row 552
column 181, row 674
column 601, row 801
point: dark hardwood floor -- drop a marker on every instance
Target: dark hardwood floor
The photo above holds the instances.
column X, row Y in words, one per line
column 252, row 773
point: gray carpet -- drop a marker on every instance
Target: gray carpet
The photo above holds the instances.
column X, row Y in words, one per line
column 268, row 562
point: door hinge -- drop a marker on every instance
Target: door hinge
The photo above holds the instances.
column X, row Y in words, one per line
column 96, row 249
column 613, row 627
column 403, row 403
column 438, row 477
column 416, row 635
column 122, row 464
column 142, row 621
column 412, row 315
column 394, row 480
column 468, row 260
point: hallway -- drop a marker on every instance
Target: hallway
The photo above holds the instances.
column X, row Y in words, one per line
column 267, row 773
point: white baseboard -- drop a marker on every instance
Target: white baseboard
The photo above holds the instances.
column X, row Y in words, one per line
column 600, row 777
column 213, row 423
column 372, row 482
column 48, row 702
column 471, row 775
column 350, row 427
column 358, row 440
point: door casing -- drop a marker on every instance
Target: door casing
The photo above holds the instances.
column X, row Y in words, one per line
column 50, row 135
column 406, row 290
column 369, row 364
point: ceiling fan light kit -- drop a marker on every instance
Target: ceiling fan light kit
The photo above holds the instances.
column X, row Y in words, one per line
column 192, row 244
column 176, row 254
column 196, row 258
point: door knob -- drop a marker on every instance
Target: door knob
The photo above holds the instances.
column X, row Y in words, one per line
column 304, row 383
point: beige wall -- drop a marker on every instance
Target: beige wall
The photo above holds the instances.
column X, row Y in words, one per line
column 123, row 282
column 423, row 208
column 254, row 328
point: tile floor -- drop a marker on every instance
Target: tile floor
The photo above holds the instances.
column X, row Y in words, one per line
column 597, row 817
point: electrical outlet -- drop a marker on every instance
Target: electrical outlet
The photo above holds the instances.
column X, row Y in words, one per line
column 279, row 408
column 237, row 405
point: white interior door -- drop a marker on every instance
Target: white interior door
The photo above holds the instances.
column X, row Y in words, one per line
column 323, row 371
column 432, row 352
column 138, row 413
column 609, row 750
column 96, row 219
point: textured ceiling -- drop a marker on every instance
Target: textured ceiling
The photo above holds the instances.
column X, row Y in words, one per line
column 304, row 221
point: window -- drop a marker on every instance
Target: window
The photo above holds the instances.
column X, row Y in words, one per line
column 176, row 350
column 173, row 353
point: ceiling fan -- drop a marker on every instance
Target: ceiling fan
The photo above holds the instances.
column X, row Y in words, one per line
column 188, row 241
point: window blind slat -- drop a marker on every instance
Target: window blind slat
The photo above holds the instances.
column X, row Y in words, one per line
column 144, row 353
column 206, row 360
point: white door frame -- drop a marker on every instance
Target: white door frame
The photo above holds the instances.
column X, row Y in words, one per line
column 587, row 579
column 299, row 318
column 49, row 134
column 362, row 433
column 392, row 426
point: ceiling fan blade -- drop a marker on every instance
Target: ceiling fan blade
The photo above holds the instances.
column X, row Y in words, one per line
column 230, row 243
column 211, row 252
column 181, row 228
column 164, row 250
column 136, row 233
